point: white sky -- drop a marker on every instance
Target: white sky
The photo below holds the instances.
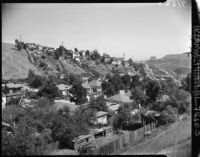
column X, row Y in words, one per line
column 138, row 30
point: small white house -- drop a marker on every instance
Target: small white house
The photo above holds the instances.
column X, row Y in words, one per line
column 101, row 118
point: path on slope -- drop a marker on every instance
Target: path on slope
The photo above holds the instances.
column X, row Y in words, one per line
column 162, row 138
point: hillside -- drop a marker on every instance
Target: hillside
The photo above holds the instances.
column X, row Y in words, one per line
column 15, row 64
column 178, row 63
column 163, row 139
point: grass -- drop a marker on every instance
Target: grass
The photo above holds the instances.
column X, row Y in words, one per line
column 15, row 64
column 163, row 138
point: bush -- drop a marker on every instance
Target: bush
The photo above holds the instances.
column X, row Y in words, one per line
column 50, row 91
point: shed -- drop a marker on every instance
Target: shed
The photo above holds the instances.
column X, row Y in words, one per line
column 81, row 140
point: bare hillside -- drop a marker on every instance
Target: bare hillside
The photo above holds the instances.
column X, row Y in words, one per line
column 178, row 63
column 15, row 64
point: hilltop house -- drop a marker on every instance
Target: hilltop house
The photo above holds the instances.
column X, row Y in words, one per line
column 75, row 55
column 114, row 61
column 106, row 58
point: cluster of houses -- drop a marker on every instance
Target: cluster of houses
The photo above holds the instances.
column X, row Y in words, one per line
column 77, row 56
column 15, row 90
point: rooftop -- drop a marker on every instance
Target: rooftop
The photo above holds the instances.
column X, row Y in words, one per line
column 94, row 83
column 101, row 113
column 63, row 87
column 13, row 94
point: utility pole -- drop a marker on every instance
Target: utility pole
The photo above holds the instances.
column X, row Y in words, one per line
column 20, row 37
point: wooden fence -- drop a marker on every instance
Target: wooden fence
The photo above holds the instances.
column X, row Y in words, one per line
column 44, row 149
column 128, row 137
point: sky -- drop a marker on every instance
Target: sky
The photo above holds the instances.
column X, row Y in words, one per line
column 137, row 30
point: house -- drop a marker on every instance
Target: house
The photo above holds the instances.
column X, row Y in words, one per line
column 77, row 58
column 106, row 58
column 113, row 106
column 64, row 88
column 102, row 132
column 95, row 85
column 82, row 140
column 85, row 79
column 75, row 54
column 14, row 87
column 100, row 118
column 87, row 87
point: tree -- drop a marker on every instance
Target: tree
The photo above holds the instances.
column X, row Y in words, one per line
column 19, row 45
column 122, row 118
column 107, row 88
column 96, row 55
column 36, row 82
column 79, row 94
column 152, row 91
column 98, row 104
column 49, row 90
column 135, row 81
column 187, row 83
column 126, row 81
column 75, row 49
column 138, row 95
column 130, row 61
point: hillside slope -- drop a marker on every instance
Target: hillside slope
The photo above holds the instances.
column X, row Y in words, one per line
column 15, row 64
column 178, row 63
column 163, row 139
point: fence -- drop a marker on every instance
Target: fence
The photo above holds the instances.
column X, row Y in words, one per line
column 44, row 149
column 128, row 137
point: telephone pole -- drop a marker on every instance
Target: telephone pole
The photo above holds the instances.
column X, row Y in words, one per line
column 20, row 37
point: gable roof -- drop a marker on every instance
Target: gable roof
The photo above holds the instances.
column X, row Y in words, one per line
column 100, row 114
column 95, row 83
column 114, row 107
